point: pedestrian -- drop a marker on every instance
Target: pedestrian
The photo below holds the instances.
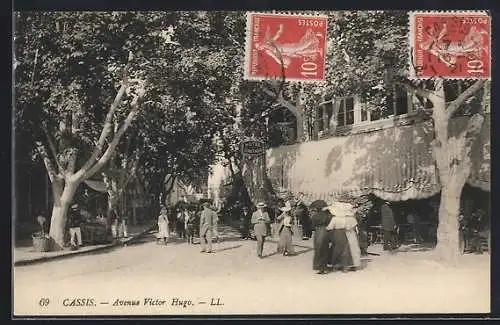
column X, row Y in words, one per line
column 75, row 231
column 302, row 214
column 351, row 231
column 285, row 232
column 113, row 218
column 181, row 231
column 345, row 255
column 190, row 222
column 208, row 227
column 245, row 223
column 320, row 219
column 260, row 220
column 362, row 229
column 163, row 229
column 124, row 225
column 388, row 226
column 414, row 221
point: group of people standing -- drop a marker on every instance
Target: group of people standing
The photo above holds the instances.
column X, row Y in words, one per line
column 182, row 220
column 335, row 239
column 186, row 225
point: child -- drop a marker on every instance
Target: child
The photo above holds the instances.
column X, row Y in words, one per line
column 163, row 231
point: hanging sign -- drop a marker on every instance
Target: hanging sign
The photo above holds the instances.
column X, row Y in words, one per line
column 253, row 147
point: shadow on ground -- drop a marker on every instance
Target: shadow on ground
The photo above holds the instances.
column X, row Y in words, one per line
column 416, row 248
column 227, row 248
column 364, row 262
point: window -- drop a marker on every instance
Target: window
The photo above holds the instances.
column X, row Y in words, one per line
column 398, row 102
column 351, row 111
column 345, row 115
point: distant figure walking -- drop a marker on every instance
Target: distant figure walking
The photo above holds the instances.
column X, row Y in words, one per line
column 163, row 231
column 302, row 214
column 181, row 231
column 190, row 222
column 414, row 221
column 208, row 224
column 285, row 233
column 260, row 220
column 388, row 226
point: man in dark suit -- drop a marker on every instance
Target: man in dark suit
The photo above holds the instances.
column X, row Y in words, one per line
column 388, row 226
column 208, row 225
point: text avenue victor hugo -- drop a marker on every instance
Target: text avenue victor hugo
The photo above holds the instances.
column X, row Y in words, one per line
column 149, row 301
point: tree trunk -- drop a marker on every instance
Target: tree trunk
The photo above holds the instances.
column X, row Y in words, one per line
column 112, row 201
column 452, row 155
column 448, row 247
column 62, row 201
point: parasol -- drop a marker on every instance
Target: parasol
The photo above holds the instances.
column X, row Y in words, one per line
column 318, row 205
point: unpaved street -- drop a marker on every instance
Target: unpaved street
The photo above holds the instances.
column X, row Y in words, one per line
column 181, row 280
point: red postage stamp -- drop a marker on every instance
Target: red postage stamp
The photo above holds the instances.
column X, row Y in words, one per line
column 450, row 45
column 285, row 46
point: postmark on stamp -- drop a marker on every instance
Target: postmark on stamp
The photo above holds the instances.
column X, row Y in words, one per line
column 450, row 45
column 285, row 46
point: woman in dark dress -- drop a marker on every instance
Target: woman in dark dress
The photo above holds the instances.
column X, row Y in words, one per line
column 320, row 219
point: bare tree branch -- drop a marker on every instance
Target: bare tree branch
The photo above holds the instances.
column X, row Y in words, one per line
column 107, row 122
column 72, row 160
column 414, row 90
column 169, row 189
column 269, row 92
column 473, row 128
column 486, row 100
column 112, row 146
column 46, row 160
column 53, row 150
column 454, row 105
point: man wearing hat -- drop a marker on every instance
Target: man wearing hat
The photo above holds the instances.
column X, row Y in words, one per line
column 208, row 224
column 260, row 220
column 74, row 223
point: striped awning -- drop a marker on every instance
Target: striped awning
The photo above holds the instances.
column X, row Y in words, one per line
column 394, row 163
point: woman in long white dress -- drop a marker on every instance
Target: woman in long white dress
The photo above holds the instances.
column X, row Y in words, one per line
column 285, row 232
column 163, row 231
column 343, row 221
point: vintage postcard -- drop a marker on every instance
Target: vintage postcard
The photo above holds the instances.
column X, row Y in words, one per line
column 174, row 163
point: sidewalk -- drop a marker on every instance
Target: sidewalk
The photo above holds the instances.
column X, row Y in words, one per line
column 26, row 256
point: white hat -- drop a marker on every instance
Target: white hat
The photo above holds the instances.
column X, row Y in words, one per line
column 287, row 207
